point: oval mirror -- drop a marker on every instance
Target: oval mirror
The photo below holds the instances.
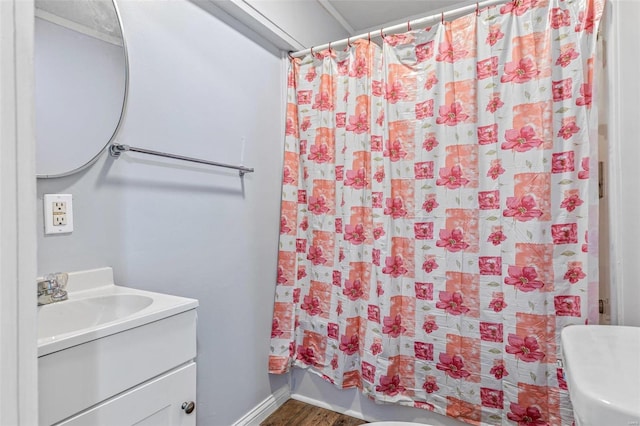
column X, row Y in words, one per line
column 80, row 82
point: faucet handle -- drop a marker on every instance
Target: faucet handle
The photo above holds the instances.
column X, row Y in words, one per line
column 58, row 283
column 46, row 285
column 60, row 278
column 53, row 282
column 52, row 288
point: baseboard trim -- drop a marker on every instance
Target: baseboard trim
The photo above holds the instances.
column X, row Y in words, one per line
column 264, row 409
column 337, row 409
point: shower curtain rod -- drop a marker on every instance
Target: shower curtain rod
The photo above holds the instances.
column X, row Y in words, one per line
column 399, row 27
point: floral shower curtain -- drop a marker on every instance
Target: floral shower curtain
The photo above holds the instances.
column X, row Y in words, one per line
column 437, row 203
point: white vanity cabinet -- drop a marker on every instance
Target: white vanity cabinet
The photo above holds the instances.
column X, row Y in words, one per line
column 155, row 403
column 144, row 374
column 130, row 360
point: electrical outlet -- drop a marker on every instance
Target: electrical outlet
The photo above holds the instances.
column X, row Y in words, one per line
column 58, row 214
column 59, row 219
column 59, row 207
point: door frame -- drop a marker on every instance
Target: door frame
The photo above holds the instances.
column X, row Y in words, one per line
column 18, row 311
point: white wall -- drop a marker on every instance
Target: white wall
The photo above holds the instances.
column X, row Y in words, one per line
column 197, row 87
column 623, row 62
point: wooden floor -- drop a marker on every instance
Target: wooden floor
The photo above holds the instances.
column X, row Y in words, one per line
column 296, row 413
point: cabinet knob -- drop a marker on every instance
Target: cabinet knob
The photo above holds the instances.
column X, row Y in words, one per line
column 188, row 407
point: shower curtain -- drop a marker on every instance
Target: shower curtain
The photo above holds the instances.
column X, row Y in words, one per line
column 439, row 213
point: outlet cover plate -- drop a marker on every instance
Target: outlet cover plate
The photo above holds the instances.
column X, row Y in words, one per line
column 49, row 214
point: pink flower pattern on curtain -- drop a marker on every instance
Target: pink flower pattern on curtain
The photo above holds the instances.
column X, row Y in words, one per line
column 435, row 210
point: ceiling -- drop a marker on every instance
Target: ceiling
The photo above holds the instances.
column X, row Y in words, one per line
column 300, row 24
column 288, row 24
column 366, row 15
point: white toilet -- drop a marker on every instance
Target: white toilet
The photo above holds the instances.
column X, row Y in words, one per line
column 602, row 369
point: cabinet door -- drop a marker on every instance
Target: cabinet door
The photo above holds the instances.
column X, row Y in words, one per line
column 157, row 402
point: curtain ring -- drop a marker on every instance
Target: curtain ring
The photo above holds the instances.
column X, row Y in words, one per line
column 442, row 18
column 381, row 34
column 408, row 25
column 369, row 37
column 312, row 54
column 477, row 9
column 290, row 57
column 349, row 41
column 329, row 48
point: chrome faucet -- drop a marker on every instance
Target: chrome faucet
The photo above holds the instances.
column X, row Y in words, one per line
column 52, row 288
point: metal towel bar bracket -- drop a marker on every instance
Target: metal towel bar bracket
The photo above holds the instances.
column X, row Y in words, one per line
column 116, row 149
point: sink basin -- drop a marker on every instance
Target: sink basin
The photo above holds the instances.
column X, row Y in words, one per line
column 97, row 308
column 72, row 315
column 602, row 368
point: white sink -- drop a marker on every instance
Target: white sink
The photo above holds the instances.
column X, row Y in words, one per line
column 602, row 368
column 73, row 315
column 97, row 308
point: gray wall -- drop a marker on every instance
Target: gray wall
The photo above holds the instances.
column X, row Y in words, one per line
column 197, row 87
